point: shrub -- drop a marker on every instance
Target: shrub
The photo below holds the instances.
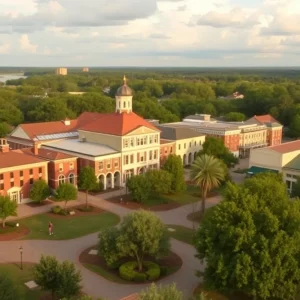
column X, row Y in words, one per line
column 153, row 270
column 140, row 188
column 139, row 277
column 126, row 270
column 56, row 209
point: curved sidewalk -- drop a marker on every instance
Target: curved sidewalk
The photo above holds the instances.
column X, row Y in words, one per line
column 93, row 284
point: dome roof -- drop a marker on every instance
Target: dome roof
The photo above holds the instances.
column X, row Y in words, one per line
column 124, row 90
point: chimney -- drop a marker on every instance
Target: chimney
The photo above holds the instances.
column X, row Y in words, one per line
column 67, row 122
column 35, row 149
column 4, row 146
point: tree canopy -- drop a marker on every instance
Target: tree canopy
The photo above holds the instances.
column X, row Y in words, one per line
column 258, row 251
column 140, row 233
column 214, row 146
column 39, row 191
column 66, row 192
column 7, row 208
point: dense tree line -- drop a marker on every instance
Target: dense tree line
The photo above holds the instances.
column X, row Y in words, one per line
column 167, row 96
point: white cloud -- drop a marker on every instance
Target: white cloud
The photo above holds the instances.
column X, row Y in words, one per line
column 5, row 48
column 26, row 44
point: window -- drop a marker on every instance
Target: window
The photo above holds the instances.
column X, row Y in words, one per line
column 131, row 158
column 155, row 154
column 166, row 150
column 11, row 174
column 100, row 165
column 31, row 181
column 184, row 145
column 125, row 143
column 124, row 104
column 195, row 143
column 116, row 163
column 12, row 184
column 31, row 171
column 150, row 155
column 156, row 139
column 21, row 183
column 108, row 164
column 40, row 170
column 132, row 142
column 145, row 140
column 190, row 144
column 61, row 167
column 1, row 186
column 71, row 166
column 1, row 176
column 21, row 173
column 137, row 141
column 179, row 147
column 171, row 149
column 126, row 161
column 61, row 179
column 150, row 139
column 71, row 178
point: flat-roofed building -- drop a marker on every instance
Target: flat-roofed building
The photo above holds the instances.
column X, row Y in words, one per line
column 61, row 71
column 283, row 158
column 85, row 70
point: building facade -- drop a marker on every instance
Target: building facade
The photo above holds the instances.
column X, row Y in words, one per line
column 283, row 158
column 61, row 71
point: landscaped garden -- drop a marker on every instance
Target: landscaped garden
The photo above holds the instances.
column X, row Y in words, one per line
column 137, row 251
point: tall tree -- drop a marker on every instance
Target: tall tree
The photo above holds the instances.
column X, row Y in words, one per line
column 173, row 165
column 216, row 147
column 7, row 208
column 141, row 233
column 258, row 251
column 39, row 191
column 5, row 129
column 66, row 192
column 61, row 279
column 207, row 172
column 87, row 181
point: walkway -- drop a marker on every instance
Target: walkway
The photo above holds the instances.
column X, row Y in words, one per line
column 93, row 284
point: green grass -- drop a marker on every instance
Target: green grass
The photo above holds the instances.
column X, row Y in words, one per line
column 105, row 274
column 20, row 277
column 181, row 233
column 67, row 228
column 186, row 197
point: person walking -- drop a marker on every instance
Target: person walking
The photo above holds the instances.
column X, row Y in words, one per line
column 50, row 228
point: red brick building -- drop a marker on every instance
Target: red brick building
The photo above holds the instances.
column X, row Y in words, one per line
column 167, row 147
column 18, row 172
column 62, row 168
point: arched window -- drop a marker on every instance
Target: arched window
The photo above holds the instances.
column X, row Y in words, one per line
column 61, row 179
column 71, row 178
column 124, row 104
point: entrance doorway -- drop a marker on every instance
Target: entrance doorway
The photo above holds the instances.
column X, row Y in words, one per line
column 15, row 196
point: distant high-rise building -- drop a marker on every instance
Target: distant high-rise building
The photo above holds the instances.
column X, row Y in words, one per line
column 85, row 69
column 61, row 71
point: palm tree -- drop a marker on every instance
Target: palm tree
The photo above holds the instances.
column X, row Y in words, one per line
column 207, row 172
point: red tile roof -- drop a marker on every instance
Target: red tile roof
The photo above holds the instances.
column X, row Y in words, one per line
column 16, row 159
column 118, row 124
column 45, row 128
column 286, row 147
column 265, row 119
column 47, row 154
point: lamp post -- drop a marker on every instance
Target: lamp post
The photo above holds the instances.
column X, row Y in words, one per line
column 21, row 255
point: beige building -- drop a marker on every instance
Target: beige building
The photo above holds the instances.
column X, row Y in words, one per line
column 284, row 158
column 188, row 142
column 85, row 70
column 61, row 71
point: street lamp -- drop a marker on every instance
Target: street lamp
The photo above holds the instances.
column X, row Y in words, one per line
column 21, row 255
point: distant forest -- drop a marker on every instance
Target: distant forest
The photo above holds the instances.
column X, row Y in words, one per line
column 166, row 94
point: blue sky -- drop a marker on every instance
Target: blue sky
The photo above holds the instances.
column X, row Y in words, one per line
column 150, row 33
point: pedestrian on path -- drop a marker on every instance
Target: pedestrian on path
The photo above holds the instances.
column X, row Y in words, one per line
column 50, row 228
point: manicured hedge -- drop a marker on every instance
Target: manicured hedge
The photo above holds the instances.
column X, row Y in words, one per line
column 127, row 271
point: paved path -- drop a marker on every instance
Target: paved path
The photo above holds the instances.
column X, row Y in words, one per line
column 93, row 284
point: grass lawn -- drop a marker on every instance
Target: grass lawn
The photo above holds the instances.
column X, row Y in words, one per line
column 67, row 228
column 181, row 233
column 186, row 197
column 20, row 277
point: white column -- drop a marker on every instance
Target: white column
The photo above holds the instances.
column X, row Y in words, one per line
column 104, row 182
column 112, row 181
